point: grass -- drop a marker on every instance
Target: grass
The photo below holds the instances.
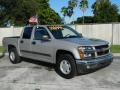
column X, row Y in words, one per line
column 114, row 49
column 1, row 49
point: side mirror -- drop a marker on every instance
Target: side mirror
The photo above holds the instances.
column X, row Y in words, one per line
column 45, row 38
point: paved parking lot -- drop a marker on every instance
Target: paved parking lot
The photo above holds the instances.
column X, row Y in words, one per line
column 30, row 76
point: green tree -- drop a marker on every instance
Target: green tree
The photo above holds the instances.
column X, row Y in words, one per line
column 104, row 11
column 72, row 4
column 83, row 6
column 119, row 18
column 68, row 11
column 88, row 19
column 64, row 11
column 19, row 11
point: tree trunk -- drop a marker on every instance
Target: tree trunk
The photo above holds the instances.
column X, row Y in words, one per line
column 73, row 19
column 64, row 20
column 83, row 18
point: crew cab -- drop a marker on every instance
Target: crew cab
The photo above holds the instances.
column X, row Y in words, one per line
column 60, row 45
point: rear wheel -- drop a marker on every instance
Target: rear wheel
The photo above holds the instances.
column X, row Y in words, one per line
column 66, row 66
column 13, row 56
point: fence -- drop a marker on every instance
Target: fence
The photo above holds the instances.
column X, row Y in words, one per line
column 108, row 32
column 8, row 32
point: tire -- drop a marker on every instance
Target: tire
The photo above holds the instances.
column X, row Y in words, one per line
column 68, row 72
column 13, row 56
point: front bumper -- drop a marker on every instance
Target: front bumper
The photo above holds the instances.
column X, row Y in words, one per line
column 86, row 64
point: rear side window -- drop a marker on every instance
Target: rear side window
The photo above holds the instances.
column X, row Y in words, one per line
column 27, row 33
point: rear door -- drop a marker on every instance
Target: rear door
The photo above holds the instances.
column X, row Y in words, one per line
column 25, row 46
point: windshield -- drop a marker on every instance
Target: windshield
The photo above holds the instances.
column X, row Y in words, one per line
column 61, row 32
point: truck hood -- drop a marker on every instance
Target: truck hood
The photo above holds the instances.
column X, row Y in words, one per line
column 86, row 41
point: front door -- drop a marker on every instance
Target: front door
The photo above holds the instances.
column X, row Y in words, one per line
column 42, row 50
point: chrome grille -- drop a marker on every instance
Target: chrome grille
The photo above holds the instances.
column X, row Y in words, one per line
column 101, row 47
column 102, row 50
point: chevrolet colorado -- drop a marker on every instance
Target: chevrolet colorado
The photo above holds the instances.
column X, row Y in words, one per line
column 60, row 45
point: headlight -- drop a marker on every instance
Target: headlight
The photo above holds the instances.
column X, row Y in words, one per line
column 83, row 51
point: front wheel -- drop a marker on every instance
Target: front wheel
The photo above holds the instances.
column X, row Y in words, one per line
column 66, row 66
column 13, row 56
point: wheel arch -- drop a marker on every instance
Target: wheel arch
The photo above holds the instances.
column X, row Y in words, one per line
column 61, row 51
column 11, row 46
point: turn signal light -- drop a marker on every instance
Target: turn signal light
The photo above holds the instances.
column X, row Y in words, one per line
column 81, row 55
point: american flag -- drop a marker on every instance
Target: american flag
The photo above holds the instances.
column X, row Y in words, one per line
column 33, row 19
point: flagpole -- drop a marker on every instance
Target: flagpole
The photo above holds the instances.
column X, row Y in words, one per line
column 37, row 20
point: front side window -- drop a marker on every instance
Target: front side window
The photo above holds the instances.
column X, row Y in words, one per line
column 40, row 32
column 27, row 32
column 61, row 32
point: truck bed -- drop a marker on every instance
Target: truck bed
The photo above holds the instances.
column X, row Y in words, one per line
column 11, row 41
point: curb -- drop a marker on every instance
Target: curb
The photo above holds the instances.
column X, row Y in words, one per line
column 116, row 55
column 2, row 55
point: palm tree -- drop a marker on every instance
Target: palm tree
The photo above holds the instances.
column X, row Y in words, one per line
column 83, row 6
column 71, row 5
column 64, row 11
column 68, row 11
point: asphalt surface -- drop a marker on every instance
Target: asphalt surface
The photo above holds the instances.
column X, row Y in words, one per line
column 30, row 75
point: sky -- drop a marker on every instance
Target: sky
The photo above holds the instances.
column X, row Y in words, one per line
column 58, row 4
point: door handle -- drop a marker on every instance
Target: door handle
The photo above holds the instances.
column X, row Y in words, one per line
column 33, row 42
column 21, row 41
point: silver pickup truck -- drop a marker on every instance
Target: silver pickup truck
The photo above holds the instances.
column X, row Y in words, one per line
column 60, row 45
